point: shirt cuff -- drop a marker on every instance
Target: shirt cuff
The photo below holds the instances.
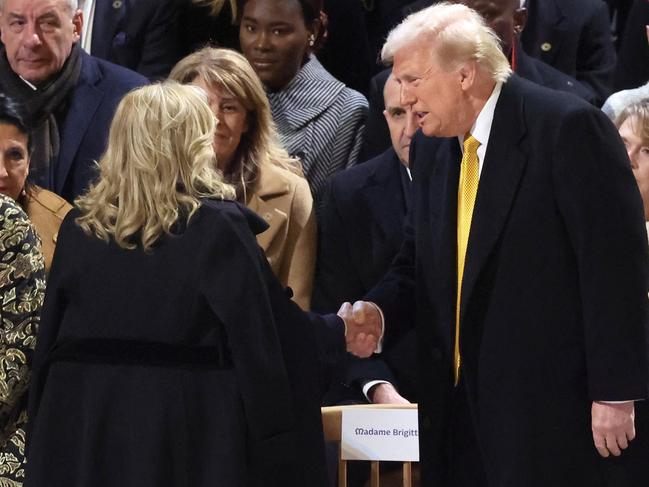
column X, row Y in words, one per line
column 619, row 402
column 369, row 385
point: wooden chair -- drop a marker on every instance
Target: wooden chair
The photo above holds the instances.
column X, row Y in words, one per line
column 332, row 425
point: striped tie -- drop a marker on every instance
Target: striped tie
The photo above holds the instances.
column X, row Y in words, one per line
column 468, row 188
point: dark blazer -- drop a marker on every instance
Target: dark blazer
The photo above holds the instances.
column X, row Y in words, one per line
column 554, row 306
column 184, row 365
column 633, row 68
column 360, row 233
column 360, row 230
column 100, row 88
column 142, row 35
column 377, row 135
column 574, row 36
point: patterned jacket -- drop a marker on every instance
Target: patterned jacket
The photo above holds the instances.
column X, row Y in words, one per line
column 22, row 287
column 320, row 121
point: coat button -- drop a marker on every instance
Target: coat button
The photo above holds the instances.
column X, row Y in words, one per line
column 546, row 46
column 117, row 4
column 55, row 237
column 267, row 216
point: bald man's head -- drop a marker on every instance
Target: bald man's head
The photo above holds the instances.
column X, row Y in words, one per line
column 400, row 118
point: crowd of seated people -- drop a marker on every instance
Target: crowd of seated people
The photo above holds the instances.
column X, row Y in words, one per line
column 163, row 146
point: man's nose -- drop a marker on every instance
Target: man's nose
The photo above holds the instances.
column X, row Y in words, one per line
column 3, row 168
column 31, row 35
column 632, row 157
column 411, row 124
column 406, row 98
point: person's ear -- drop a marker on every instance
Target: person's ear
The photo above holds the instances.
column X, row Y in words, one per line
column 520, row 20
column 313, row 33
column 467, row 74
column 77, row 22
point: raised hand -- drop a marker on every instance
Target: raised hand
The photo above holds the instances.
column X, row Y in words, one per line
column 363, row 327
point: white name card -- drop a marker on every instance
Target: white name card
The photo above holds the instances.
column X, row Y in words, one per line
column 380, row 434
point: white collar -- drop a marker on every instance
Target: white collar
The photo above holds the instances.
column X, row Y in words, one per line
column 481, row 129
column 482, row 126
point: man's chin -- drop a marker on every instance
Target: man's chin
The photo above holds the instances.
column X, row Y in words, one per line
column 34, row 75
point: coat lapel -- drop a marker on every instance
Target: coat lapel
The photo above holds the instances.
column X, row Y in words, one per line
column 87, row 97
column 264, row 202
column 501, row 174
column 384, row 195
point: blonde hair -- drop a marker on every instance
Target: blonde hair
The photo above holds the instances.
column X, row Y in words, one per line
column 259, row 145
column 158, row 164
column 639, row 113
column 457, row 35
column 217, row 5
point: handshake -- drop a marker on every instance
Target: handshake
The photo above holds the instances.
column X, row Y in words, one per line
column 363, row 327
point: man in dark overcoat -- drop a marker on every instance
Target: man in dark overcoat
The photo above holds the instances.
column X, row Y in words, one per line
column 524, row 264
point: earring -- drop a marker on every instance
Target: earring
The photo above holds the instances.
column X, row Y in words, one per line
column 311, row 40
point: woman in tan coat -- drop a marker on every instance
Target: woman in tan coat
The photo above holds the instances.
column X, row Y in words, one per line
column 267, row 180
column 44, row 208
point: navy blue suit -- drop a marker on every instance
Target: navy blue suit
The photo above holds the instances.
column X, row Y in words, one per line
column 141, row 35
column 554, row 297
column 633, row 68
column 360, row 233
column 84, row 132
column 574, row 36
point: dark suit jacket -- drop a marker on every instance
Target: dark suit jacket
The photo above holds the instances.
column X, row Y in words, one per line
column 141, row 35
column 574, row 36
column 189, row 359
column 100, row 88
column 360, row 230
column 377, row 135
column 360, row 233
column 554, row 305
column 633, row 67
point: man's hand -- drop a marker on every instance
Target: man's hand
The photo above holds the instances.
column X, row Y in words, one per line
column 362, row 327
column 613, row 427
column 385, row 393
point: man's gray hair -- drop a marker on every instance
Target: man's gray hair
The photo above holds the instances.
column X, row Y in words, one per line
column 456, row 34
column 73, row 5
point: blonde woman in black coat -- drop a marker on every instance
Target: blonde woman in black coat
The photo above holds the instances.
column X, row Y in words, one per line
column 165, row 354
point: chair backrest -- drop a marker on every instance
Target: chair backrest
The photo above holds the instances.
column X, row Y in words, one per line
column 332, row 425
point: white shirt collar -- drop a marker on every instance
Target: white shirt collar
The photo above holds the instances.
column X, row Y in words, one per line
column 481, row 129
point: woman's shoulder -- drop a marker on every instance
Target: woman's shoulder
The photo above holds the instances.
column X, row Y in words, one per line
column 353, row 100
column 218, row 212
column 275, row 181
column 44, row 201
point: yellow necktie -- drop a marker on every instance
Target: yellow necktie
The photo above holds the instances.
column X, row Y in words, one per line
column 468, row 188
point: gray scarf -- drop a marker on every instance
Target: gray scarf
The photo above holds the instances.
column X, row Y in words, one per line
column 41, row 106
